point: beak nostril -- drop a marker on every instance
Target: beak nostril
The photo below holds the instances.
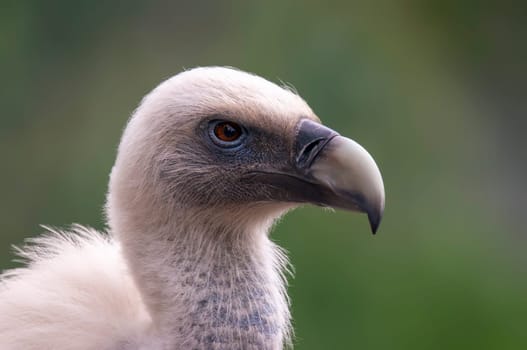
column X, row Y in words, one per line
column 311, row 138
column 309, row 152
column 312, row 145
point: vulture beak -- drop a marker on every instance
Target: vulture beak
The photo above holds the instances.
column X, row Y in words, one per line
column 340, row 172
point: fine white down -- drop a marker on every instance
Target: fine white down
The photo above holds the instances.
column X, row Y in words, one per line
column 74, row 293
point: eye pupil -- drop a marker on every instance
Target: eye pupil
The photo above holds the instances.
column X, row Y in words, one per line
column 227, row 131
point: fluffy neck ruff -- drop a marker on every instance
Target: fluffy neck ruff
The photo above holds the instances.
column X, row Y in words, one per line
column 210, row 285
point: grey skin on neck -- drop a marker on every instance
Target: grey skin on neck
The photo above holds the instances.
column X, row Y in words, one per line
column 211, row 287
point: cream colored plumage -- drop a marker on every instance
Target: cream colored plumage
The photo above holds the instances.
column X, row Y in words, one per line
column 187, row 262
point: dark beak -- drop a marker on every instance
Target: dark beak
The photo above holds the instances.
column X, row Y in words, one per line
column 344, row 169
column 327, row 169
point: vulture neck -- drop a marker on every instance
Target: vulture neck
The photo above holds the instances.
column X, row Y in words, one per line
column 211, row 282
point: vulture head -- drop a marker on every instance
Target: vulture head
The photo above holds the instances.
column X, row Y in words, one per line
column 207, row 162
column 218, row 141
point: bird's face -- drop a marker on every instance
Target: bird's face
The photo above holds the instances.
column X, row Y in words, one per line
column 217, row 137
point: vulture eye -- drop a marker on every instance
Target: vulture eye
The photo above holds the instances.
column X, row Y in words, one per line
column 226, row 134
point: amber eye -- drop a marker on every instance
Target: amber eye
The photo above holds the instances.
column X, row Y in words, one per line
column 226, row 133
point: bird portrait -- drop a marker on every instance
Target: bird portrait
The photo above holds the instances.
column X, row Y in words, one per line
column 207, row 164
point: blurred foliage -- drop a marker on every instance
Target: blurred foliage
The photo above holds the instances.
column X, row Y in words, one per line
column 434, row 89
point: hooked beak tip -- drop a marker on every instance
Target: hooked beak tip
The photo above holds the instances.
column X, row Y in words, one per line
column 350, row 172
column 374, row 217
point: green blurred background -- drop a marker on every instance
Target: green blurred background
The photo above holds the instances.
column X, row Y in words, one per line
column 435, row 90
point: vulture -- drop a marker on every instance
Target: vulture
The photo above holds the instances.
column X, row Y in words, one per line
column 210, row 159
